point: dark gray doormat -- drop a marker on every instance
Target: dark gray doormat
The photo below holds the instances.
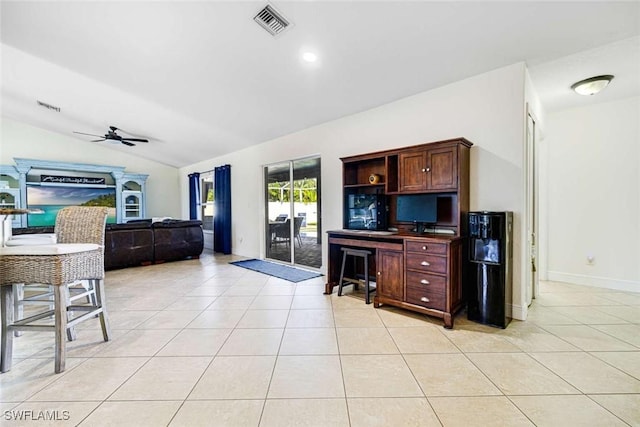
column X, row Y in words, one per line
column 277, row 270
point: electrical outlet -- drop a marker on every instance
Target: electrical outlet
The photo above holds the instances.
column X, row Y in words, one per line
column 591, row 260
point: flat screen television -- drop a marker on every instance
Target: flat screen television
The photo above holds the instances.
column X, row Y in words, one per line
column 421, row 209
column 50, row 199
column 365, row 212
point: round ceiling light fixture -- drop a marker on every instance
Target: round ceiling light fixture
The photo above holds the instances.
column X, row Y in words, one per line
column 592, row 85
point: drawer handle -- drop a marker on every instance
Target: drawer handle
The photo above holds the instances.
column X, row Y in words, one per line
column 424, row 299
column 424, row 281
column 425, row 263
column 424, row 248
column 379, row 273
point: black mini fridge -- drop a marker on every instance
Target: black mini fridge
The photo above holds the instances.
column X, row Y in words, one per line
column 489, row 268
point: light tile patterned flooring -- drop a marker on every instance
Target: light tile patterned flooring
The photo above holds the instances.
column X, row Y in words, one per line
column 205, row 343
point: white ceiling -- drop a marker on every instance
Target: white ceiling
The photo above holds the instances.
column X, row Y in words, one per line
column 201, row 79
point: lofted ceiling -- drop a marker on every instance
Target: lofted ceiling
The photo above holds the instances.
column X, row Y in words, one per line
column 201, row 78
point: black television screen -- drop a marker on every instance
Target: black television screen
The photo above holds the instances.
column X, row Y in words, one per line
column 421, row 208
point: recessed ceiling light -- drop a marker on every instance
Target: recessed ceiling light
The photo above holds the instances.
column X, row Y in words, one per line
column 310, row 57
column 592, row 85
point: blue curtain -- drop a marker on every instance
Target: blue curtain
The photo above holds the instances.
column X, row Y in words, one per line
column 194, row 195
column 222, row 205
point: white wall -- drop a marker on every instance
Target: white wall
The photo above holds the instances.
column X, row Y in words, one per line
column 594, row 194
column 23, row 141
column 487, row 109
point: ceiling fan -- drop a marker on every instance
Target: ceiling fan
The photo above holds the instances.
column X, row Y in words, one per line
column 112, row 136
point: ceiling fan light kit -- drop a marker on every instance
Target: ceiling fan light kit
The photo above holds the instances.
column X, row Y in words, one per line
column 592, row 85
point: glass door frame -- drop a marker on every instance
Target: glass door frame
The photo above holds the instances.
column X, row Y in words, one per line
column 291, row 211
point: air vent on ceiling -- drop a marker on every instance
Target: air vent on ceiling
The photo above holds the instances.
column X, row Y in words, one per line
column 48, row 106
column 271, row 20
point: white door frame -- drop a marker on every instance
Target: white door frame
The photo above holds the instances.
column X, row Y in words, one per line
column 531, row 264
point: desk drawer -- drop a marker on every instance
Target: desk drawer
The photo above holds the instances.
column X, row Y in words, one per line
column 428, row 282
column 424, row 262
column 419, row 296
column 426, row 247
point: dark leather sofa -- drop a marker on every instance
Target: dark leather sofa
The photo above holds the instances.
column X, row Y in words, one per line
column 128, row 244
column 174, row 240
column 142, row 242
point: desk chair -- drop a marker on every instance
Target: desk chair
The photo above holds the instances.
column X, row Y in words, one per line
column 78, row 255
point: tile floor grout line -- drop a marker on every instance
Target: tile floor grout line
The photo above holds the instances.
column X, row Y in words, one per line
column 335, row 331
column 609, row 364
column 605, row 409
column 413, row 375
column 275, row 364
column 213, row 358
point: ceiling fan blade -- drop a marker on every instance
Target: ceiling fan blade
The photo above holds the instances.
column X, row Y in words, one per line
column 125, row 131
column 127, row 143
column 90, row 134
column 135, row 139
column 98, row 140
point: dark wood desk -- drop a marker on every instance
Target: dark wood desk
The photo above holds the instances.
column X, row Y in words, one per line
column 422, row 273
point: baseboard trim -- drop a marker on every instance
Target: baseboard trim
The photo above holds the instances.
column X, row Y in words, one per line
column 598, row 282
column 518, row 312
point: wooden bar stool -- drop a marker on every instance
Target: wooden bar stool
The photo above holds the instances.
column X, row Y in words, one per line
column 356, row 253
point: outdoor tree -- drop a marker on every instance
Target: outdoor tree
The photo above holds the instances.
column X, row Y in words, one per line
column 305, row 191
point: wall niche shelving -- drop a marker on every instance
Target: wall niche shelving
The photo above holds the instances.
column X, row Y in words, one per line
column 22, row 184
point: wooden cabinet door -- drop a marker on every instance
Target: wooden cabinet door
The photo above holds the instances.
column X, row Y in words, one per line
column 442, row 169
column 435, row 169
column 412, row 171
column 390, row 274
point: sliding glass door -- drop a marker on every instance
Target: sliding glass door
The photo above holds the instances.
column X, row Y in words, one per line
column 293, row 222
column 278, row 209
column 206, row 207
